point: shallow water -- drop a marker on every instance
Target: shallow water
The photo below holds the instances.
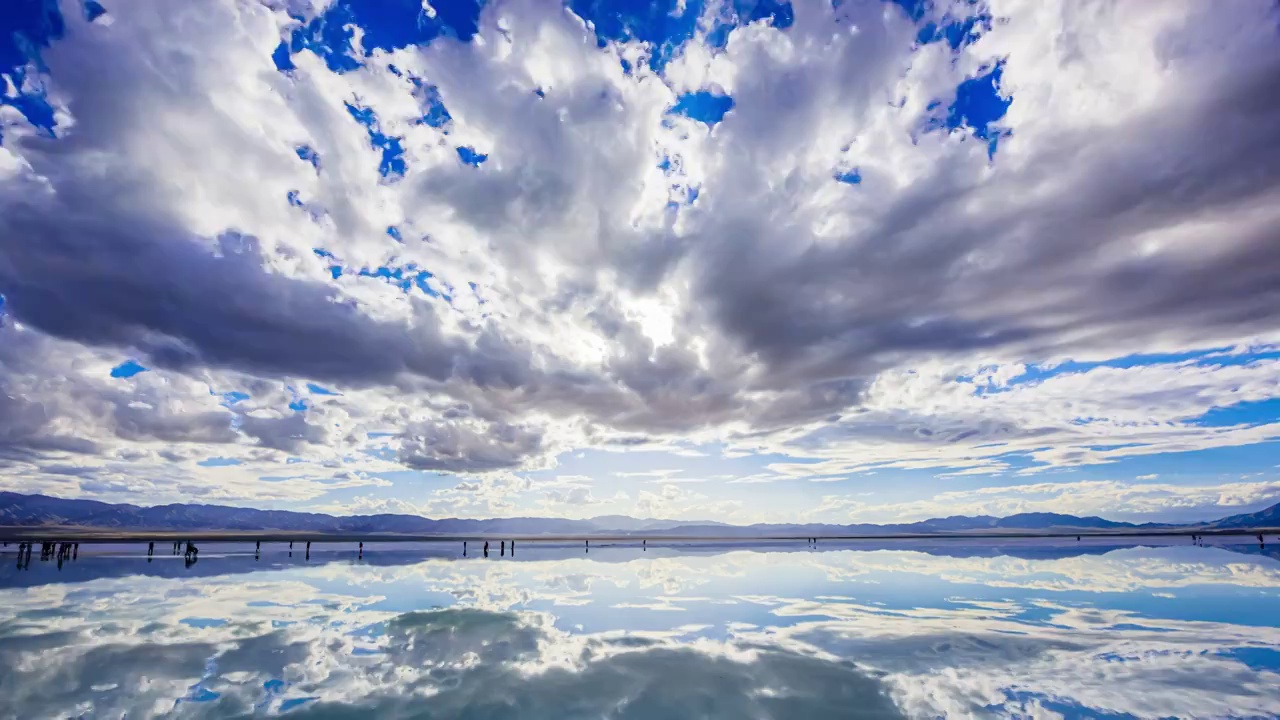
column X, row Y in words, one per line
column 945, row 628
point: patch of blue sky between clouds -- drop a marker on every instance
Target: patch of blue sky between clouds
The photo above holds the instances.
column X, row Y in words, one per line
column 1259, row 412
column 1037, row 373
column 282, row 58
column 956, row 32
column 678, row 192
column 306, row 153
column 294, row 198
column 979, row 105
column 705, row 106
column 745, row 12
column 93, row 10
column 384, row 25
column 198, row 694
column 26, row 28
column 849, row 177
column 1256, row 658
column 434, row 112
column 665, row 25
column 335, row 268
column 392, row 164
column 407, row 277
column 127, row 369
column 469, row 156
column 220, row 462
column 297, row 403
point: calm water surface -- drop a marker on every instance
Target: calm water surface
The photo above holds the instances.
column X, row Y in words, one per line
column 1009, row 629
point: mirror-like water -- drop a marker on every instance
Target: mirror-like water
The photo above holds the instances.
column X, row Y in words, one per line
column 897, row 629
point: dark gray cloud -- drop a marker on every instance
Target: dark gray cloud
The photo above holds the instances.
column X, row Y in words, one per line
column 1058, row 276
column 625, row 678
column 156, row 226
column 100, row 276
column 456, row 447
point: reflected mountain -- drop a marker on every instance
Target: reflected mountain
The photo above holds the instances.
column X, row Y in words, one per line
column 870, row 630
column 120, row 560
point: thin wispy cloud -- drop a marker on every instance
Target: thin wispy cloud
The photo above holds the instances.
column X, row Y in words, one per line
column 361, row 253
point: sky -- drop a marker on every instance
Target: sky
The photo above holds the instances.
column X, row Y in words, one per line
column 746, row 261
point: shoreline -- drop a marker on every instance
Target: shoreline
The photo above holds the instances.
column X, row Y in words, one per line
column 102, row 536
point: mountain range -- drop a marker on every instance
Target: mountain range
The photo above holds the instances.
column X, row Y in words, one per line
column 27, row 511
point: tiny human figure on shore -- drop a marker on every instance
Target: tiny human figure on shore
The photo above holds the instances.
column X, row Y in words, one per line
column 151, row 549
column 486, row 548
column 257, row 546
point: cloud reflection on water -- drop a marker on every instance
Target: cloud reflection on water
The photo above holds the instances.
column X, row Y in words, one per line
column 958, row 631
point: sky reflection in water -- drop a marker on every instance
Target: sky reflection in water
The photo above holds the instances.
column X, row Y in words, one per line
column 946, row 628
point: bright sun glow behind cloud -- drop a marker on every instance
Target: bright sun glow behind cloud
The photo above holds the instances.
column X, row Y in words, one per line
column 858, row 260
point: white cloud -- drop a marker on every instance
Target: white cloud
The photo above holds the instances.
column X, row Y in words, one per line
column 786, row 629
column 781, row 312
column 1111, row 499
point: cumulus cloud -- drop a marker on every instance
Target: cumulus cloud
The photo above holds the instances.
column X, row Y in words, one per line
column 775, row 634
column 617, row 275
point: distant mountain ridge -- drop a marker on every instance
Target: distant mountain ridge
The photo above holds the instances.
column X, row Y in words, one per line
column 18, row 510
column 1268, row 517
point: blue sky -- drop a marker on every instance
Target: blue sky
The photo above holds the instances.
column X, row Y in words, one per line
column 743, row 261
